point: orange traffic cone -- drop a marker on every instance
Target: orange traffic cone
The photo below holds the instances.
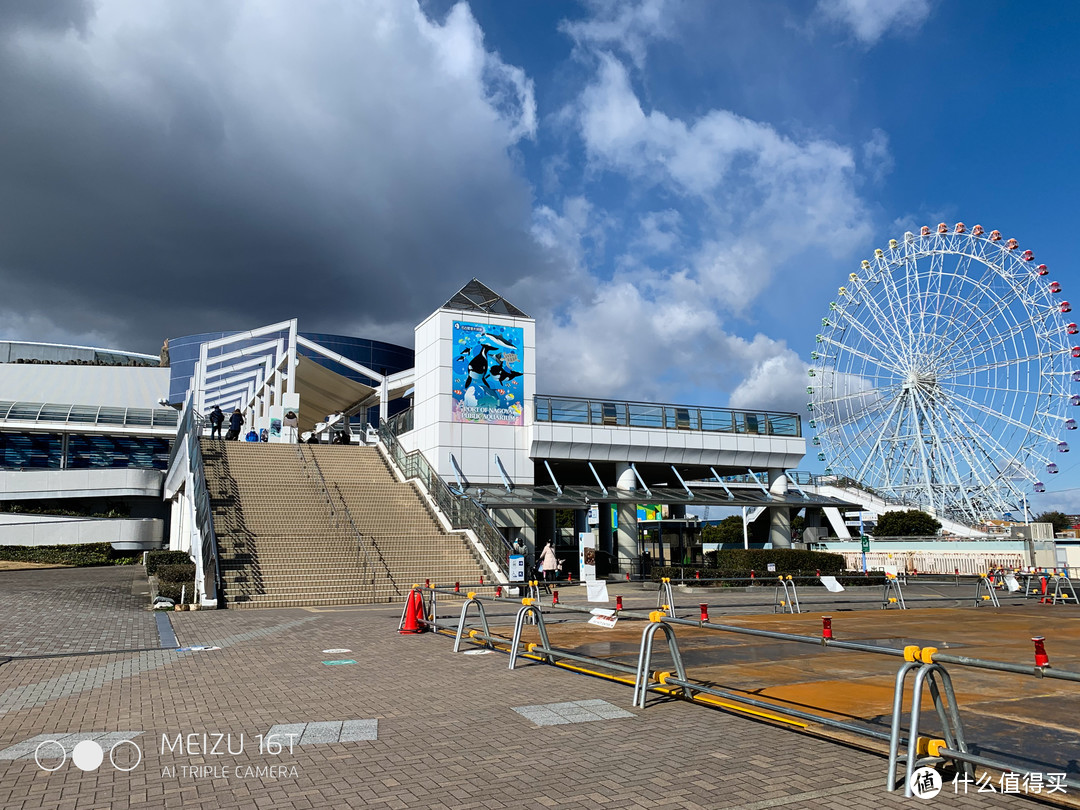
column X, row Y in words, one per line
column 412, row 611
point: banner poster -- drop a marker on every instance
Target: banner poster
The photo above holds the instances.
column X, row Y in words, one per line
column 488, row 385
column 587, row 557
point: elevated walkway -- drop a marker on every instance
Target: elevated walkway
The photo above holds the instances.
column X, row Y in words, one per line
column 870, row 502
column 308, row 525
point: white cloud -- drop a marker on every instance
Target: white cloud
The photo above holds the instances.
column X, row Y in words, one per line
column 623, row 25
column 877, row 159
column 869, row 20
column 775, row 383
column 755, row 200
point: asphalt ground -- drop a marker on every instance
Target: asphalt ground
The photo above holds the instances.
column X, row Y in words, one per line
column 312, row 708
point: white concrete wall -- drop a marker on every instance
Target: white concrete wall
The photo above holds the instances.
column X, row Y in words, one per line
column 55, row 530
column 740, row 451
column 475, row 446
column 88, row 483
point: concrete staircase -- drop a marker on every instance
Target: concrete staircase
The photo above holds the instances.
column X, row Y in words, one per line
column 282, row 544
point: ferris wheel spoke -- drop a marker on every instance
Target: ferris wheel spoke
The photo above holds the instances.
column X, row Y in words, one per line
column 991, row 342
column 1001, row 306
column 970, row 448
column 886, row 323
column 995, row 366
column 881, row 437
column 1016, row 423
column 929, row 477
column 862, row 355
column 887, row 356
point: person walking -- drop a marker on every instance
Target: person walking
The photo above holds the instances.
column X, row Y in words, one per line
column 235, row 422
column 216, row 420
column 549, row 563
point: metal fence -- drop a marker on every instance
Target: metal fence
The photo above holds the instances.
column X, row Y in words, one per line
column 461, row 510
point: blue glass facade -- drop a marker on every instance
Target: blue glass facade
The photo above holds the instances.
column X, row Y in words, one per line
column 378, row 356
column 45, row 451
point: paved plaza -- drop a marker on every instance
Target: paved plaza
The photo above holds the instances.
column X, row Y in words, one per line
column 331, row 707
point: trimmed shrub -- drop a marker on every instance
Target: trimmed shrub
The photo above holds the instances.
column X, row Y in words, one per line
column 79, row 554
column 172, row 580
column 156, row 559
column 787, row 560
column 176, row 573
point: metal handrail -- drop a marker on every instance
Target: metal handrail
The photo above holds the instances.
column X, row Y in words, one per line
column 360, row 536
column 322, row 480
column 368, row 568
column 460, row 509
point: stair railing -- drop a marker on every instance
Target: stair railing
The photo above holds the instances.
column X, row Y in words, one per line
column 361, row 538
column 321, row 483
column 189, row 429
column 462, row 511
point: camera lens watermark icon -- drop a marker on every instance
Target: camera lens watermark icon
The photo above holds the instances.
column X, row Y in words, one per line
column 88, row 755
column 925, row 783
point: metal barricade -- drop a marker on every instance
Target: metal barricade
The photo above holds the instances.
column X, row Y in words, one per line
column 665, row 599
column 985, row 593
column 892, row 596
column 790, row 602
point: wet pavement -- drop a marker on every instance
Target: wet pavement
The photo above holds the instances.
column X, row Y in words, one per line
column 312, row 708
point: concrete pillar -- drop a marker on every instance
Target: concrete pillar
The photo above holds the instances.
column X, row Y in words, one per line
column 626, row 550
column 779, row 516
column 606, row 542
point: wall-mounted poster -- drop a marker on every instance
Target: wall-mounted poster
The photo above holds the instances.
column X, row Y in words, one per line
column 488, row 385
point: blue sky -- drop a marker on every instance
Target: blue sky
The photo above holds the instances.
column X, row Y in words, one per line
column 673, row 189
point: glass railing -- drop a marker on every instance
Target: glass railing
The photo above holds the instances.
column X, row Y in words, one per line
column 613, row 413
column 459, row 509
column 88, row 414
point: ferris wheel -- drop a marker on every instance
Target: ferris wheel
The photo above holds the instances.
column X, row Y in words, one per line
column 943, row 374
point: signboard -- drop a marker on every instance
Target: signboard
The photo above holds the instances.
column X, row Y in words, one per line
column 594, row 514
column 647, row 511
column 865, row 544
column 586, row 557
column 517, row 567
column 602, row 617
column 597, row 591
column 488, row 367
column 772, row 568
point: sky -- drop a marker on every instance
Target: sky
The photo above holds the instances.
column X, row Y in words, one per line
column 674, row 189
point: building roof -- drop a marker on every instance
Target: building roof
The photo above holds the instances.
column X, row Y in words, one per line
column 111, row 386
column 477, row 297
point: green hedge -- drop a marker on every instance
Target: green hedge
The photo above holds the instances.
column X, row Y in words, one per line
column 79, row 554
column 176, row 573
column 172, row 590
column 173, row 578
column 760, row 577
column 156, row 559
column 787, row 560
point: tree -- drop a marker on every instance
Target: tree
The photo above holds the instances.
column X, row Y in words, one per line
column 911, row 523
column 729, row 532
column 1059, row 519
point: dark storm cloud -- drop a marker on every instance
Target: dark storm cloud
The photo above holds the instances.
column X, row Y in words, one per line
column 172, row 168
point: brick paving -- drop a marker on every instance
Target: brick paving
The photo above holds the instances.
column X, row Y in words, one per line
column 53, row 610
column 448, row 735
